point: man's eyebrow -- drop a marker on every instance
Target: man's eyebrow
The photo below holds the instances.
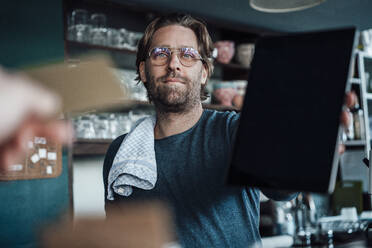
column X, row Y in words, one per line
column 168, row 46
column 161, row 46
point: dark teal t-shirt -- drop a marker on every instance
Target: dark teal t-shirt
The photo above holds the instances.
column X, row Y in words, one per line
column 192, row 168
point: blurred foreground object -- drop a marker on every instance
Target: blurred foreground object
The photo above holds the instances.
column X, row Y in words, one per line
column 142, row 225
column 29, row 110
column 34, row 101
column 84, row 84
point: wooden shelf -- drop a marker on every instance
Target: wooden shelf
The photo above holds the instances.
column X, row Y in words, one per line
column 354, row 143
column 366, row 56
column 91, row 146
column 84, row 147
column 355, row 81
column 220, row 107
column 233, row 71
column 233, row 66
column 122, row 58
column 369, row 96
column 135, row 104
column 89, row 46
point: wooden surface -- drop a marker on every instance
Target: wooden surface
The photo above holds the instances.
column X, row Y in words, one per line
column 91, row 146
column 43, row 160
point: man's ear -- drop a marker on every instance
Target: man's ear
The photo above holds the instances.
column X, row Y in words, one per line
column 204, row 75
column 142, row 68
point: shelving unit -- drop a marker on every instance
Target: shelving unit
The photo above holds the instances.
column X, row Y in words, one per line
column 355, row 80
column 84, row 147
column 355, row 143
column 365, row 97
column 88, row 46
column 359, row 85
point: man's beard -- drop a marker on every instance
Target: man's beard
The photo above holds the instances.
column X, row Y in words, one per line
column 174, row 97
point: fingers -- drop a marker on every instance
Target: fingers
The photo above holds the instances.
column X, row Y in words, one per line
column 57, row 131
column 11, row 153
column 23, row 99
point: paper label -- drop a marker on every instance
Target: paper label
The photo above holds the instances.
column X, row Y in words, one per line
column 49, row 169
column 42, row 153
column 52, row 156
column 15, row 167
column 35, row 158
column 40, row 140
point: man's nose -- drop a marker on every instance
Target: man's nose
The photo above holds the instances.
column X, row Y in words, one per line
column 174, row 62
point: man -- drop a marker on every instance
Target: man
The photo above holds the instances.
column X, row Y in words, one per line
column 192, row 145
column 27, row 111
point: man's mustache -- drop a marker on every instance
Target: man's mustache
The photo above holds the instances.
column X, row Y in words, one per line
column 173, row 75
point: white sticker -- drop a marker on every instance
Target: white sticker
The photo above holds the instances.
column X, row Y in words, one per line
column 42, row 153
column 49, row 169
column 40, row 140
column 30, row 144
column 52, row 156
column 15, row 167
column 35, row 158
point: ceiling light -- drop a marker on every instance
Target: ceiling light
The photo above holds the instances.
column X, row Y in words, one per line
column 282, row 6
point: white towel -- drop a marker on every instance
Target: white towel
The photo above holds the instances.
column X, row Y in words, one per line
column 134, row 164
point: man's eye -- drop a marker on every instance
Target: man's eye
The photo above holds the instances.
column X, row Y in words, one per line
column 161, row 55
column 188, row 56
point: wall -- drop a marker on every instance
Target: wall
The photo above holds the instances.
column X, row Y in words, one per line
column 88, row 187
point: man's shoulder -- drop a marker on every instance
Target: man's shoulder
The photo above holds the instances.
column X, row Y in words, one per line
column 221, row 115
column 221, row 119
column 114, row 146
column 112, row 150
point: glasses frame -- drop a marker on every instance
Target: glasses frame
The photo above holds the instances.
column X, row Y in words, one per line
column 178, row 51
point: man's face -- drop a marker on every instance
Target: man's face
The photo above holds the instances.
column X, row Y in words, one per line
column 173, row 87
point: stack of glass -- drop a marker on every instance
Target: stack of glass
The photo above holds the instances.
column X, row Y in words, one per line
column 92, row 28
column 107, row 125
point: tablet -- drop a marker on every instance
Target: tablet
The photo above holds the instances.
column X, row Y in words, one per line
column 289, row 127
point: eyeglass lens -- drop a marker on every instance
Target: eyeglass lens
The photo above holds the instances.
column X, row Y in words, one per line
column 186, row 55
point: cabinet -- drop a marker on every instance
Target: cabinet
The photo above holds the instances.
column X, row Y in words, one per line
column 134, row 19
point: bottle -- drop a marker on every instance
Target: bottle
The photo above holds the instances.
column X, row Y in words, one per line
column 350, row 128
column 358, row 121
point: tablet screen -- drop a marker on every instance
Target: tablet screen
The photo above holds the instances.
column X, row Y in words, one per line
column 289, row 127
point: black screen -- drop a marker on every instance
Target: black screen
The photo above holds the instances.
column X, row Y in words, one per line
column 289, row 124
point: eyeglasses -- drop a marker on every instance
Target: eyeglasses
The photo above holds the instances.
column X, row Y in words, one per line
column 188, row 56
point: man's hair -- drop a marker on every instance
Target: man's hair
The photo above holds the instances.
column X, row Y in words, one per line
column 205, row 44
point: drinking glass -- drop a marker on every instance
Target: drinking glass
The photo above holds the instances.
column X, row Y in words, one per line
column 85, row 128
column 124, row 124
column 99, row 29
column 133, row 39
column 123, row 38
column 113, row 37
column 102, row 127
column 81, row 26
column 113, row 125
